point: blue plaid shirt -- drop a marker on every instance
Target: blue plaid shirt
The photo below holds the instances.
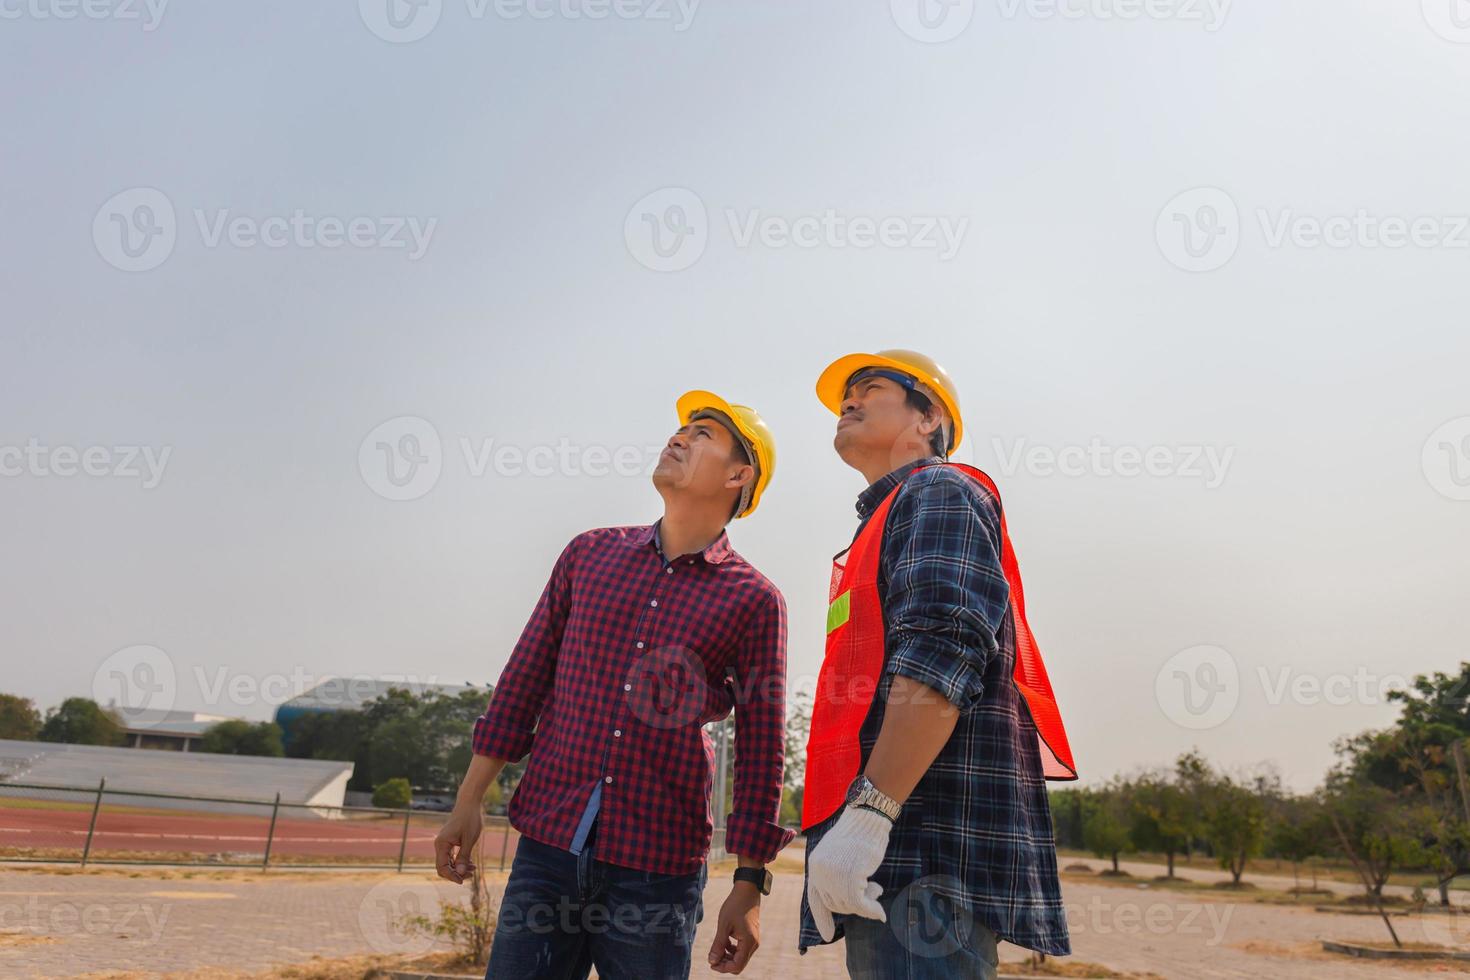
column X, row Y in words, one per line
column 977, row 828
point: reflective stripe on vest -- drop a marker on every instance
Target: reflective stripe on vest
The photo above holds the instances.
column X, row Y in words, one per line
column 854, row 662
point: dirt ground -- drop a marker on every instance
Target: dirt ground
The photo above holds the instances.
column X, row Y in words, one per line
column 204, row 924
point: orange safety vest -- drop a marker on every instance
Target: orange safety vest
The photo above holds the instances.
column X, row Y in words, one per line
column 854, row 662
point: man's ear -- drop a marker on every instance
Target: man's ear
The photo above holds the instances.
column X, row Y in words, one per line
column 743, row 475
column 933, row 419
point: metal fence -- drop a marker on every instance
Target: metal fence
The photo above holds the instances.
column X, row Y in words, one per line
column 97, row 825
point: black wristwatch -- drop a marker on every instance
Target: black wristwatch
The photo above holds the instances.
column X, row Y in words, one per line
column 759, row 877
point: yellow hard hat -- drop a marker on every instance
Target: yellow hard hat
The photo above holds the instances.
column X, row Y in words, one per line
column 832, row 385
column 753, row 431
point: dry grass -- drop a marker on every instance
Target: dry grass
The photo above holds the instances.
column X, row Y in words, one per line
column 1072, row 968
column 371, row 967
column 1314, row 952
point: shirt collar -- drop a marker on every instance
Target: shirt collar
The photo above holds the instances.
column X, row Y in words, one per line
column 870, row 498
column 716, row 553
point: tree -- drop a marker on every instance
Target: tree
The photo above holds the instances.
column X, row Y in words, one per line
column 1420, row 764
column 1160, row 817
column 424, row 738
column 494, row 797
column 1068, row 808
column 19, row 718
column 1235, row 825
column 1105, row 829
column 393, row 794
column 1298, row 833
column 793, row 779
column 239, row 737
column 1196, row 780
column 1371, row 827
column 80, row 721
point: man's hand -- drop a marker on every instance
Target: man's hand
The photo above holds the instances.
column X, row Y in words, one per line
column 455, row 842
column 839, row 866
column 738, row 934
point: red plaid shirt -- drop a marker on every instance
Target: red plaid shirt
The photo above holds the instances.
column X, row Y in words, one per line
column 625, row 659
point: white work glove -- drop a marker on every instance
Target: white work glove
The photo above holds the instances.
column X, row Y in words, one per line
column 839, row 866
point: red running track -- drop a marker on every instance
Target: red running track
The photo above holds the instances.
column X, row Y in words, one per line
column 120, row 831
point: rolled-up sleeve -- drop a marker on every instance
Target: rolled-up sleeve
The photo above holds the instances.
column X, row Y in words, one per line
column 946, row 594
column 753, row 828
column 508, row 726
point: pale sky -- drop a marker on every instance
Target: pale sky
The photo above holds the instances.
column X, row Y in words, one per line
column 1110, row 222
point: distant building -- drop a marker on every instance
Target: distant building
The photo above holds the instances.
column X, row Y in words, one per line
column 316, row 783
column 152, row 728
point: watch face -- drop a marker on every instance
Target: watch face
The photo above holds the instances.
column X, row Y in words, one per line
column 855, row 789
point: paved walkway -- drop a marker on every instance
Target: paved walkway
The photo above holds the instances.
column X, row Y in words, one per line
column 54, row 925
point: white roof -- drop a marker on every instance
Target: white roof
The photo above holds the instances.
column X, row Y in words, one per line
column 165, row 771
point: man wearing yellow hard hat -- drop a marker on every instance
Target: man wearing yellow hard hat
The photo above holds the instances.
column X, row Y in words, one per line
column 934, row 727
column 642, row 636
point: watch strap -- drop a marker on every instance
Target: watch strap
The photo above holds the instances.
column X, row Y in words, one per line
column 759, row 877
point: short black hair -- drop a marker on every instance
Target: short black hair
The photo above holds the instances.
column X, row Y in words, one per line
column 738, row 455
column 938, row 440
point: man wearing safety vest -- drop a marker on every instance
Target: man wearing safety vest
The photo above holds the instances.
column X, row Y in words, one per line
column 642, row 636
column 929, row 836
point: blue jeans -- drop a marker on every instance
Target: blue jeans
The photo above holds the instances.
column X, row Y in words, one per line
column 564, row 913
column 927, row 936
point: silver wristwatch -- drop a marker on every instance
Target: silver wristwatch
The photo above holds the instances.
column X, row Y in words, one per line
column 865, row 794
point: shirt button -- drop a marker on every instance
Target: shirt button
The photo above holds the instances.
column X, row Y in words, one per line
column 640, row 644
column 654, row 603
column 608, row 779
column 627, row 687
column 617, row 733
